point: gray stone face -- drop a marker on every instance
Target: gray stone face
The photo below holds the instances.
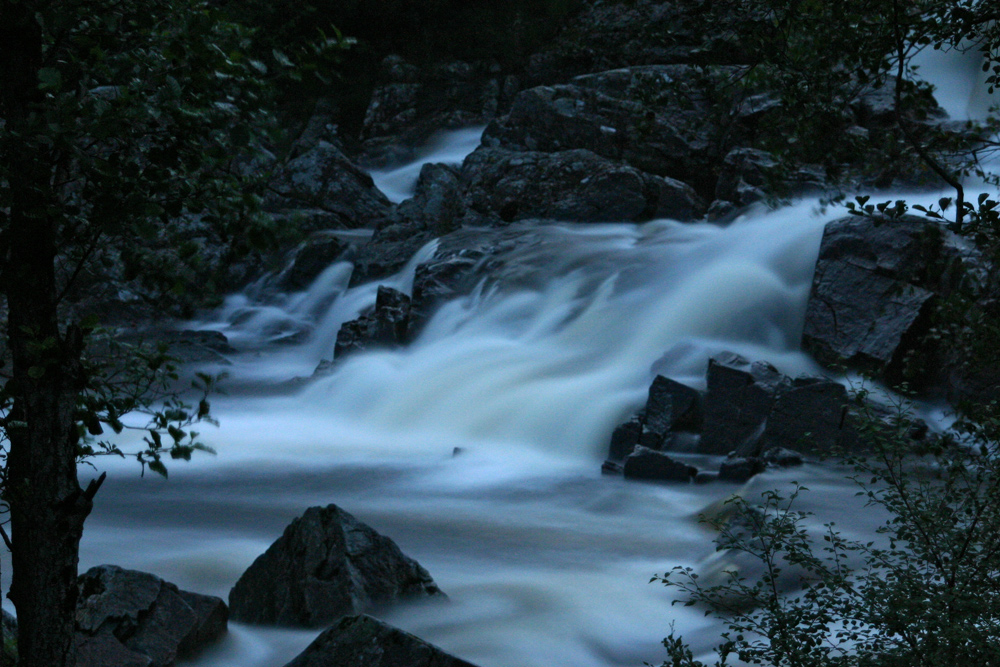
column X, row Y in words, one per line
column 325, row 565
column 323, row 178
column 362, row 641
column 571, row 185
column 385, row 326
column 647, row 464
column 752, row 408
column 125, row 617
column 870, row 301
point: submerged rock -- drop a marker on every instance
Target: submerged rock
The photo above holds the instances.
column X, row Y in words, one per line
column 127, row 618
column 646, row 464
column 325, row 565
column 363, row 641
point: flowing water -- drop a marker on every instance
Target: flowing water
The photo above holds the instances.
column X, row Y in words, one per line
column 478, row 447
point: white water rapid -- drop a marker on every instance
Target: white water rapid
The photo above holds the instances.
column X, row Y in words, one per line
column 545, row 561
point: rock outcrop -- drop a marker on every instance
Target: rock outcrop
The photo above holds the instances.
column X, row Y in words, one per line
column 326, row 564
column 573, row 186
column 362, row 641
column 385, row 326
column 872, row 294
column 126, row 618
column 325, row 180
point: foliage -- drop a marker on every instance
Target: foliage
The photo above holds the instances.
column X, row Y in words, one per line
column 924, row 593
column 847, row 70
column 130, row 138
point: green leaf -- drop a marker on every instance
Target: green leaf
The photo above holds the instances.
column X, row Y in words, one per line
column 158, row 467
column 49, row 79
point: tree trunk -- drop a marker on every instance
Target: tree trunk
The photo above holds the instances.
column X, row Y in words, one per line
column 47, row 505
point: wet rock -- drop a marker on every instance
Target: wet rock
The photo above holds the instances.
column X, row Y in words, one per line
column 324, row 178
column 779, row 457
column 611, row 468
column 870, row 303
column 646, row 464
column 436, row 205
column 739, row 469
column 745, row 176
column 325, row 565
column 750, row 408
column 625, row 438
column 125, row 617
column 362, row 641
column 412, row 104
column 311, row 259
column 738, row 401
column 633, row 115
column 670, row 407
column 385, row 326
column 571, row 185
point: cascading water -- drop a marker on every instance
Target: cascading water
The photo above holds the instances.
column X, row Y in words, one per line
column 545, row 562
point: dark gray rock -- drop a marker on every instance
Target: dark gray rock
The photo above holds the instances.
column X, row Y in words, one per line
column 324, row 178
column 125, row 617
column 646, row 464
column 362, row 641
column 625, row 438
column 745, row 176
column 385, row 326
column 739, row 470
column 610, row 35
column 571, row 185
column 657, row 119
column 311, row 259
column 412, row 104
column 780, row 457
column 325, row 565
column 871, row 298
column 671, row 407
column 738, row 401
column 751, row 408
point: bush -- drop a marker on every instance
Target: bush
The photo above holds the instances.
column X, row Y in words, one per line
column 926, row 593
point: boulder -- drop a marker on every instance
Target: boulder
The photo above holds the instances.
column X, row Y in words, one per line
column 739, row 469
column 670, row 407
column 647, row 464
column 385, row 326
column 872, row 297
column 126, row 618
column 325, row 565
column 323, row 178
column 311, row 258
column 655, row 118
column 751, row 408
column 738, row 400
column 571, row 185
column 363, row 641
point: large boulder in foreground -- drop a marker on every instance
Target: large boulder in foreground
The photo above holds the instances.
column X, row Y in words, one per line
column 126, row 618
column 362, row 641
column 326, row 564
column 872, row 297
